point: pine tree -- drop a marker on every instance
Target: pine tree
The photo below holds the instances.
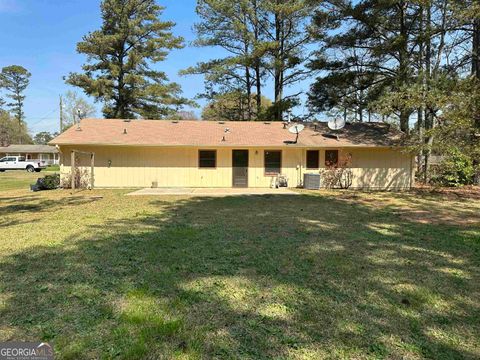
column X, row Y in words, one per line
column 232, row 25
column 288, row 36
column 120, row 55
column 15, row 80
column 12, row 132
column 266, row 39
column 233, row 106
column 382, row 35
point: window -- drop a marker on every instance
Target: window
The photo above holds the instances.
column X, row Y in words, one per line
column 331, row 158
column 207, row 159
column 273, row 162
column 313, row 159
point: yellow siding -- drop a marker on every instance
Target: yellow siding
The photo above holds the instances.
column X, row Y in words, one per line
column 178, row 167
column 376, row 168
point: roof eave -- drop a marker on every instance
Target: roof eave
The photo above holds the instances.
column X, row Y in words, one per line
column 300, row 146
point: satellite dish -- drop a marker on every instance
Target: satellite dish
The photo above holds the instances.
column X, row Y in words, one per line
column 336, row 124
column 296, row 129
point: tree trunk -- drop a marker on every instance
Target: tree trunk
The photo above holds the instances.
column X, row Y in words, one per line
column 428, row 119
column 249, row 93
column 258, row 77
column 476, row 75
column 403, row 65
column 258, row 83
column 404, row 119
column 476, row 49
column 420, row 136
column 247, row 60
column 430, row 124
column 360, row 106
column 278, row 65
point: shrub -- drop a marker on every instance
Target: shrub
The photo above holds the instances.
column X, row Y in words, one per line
column 82, row 179
column 455, row 170
column 48, row 182
column 340, row 175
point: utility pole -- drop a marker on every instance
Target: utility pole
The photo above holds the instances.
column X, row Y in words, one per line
column 61, row 114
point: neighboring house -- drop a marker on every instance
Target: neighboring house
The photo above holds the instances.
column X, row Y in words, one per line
column 45, row 153
column 145, row 153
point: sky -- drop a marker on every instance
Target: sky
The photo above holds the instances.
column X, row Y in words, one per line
column 41, row 35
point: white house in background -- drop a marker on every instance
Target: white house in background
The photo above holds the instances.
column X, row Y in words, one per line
column 45, row 153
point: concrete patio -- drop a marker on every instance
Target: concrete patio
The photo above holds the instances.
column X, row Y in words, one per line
column 212, row 191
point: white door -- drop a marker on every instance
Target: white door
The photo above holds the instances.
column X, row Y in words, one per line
column 17, row 164
column 9, row 163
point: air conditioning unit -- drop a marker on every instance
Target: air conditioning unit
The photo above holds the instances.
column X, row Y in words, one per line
column 311, row 181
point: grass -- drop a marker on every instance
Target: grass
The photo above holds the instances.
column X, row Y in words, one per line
column 322, row 275
column 19, row 179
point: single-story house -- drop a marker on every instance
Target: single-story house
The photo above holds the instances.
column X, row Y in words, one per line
column 45, row 153
column 164, row 153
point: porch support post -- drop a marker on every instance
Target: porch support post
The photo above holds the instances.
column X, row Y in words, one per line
column 92, row 167
column 72, row 171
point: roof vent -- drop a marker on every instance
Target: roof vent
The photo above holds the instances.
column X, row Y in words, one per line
column 127, row 120
column 267, row 123
column 331, row 136
column 221, row 122
column 125, row 131
column 175, row 122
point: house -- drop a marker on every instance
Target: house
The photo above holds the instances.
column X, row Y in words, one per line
column 146, row 153
column 45, row 153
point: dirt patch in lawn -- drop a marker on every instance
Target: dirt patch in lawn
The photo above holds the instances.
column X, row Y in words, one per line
column 424, row 205
column 465, row 192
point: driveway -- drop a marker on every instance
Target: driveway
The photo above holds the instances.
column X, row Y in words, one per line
column 213, row 191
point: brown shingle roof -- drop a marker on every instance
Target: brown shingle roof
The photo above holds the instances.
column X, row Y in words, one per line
column 31, row 149
column 215, row 134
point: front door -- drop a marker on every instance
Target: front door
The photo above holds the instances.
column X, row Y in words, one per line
column 240, row 168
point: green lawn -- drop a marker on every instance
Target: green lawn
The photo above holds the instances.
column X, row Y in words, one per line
column 322, row 275
column 19, row 179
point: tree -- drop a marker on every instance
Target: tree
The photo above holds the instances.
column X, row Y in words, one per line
column 183, row 115
column 15, row 80
column 120, row 57
column 11, row 132
column 378, row 40
column 264, row 39
column 233, row 107
column 43, row 137
column 72, row 102
column 473, row 17
column 234, row 26
column 287, row 36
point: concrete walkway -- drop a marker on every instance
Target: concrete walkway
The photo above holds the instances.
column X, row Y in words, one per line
column 213, row 191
